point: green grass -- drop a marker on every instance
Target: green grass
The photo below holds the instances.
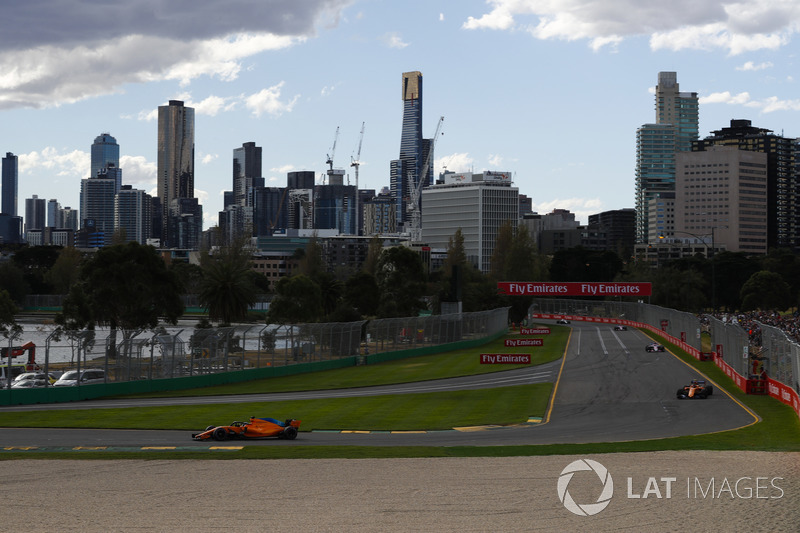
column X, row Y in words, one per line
column 779, row 429
column 446, row 365
column 424, row 411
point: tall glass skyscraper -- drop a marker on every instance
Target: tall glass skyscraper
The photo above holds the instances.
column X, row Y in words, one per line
column 246, row 167
column 676, row 126
column 175, row 161
column 105, row 151
column 405, row 172
column 9, row 185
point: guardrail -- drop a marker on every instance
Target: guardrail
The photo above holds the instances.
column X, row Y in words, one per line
column 766, row 363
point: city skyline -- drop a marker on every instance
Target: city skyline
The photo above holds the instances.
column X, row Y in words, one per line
column 539, row 84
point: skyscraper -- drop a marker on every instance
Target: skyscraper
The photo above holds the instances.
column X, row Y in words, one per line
column 10, row 185
column 97, row 205
column 405, row 172
column 132, row 214
column 175, row 163
column 35, row 213
column 246, row 167
column 676, row 126
column 105, row 152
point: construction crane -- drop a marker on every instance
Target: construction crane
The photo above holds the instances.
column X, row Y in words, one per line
column 413, row 206
column 356, row 162
column 329, row 161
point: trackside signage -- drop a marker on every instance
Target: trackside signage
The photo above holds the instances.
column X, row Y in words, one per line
column 524, row 342
column 534, row 331
column 524, row 288
column 505, row 358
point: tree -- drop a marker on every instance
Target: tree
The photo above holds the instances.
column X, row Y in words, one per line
column 227, row 289
column 65, row 272
column 401, row 280
column 312, row 263
column 373, row 255
column 8, row 310
column 12, row 279
column 766, row 290
column 35, row 261
column 297, row 300
column 361, row 292
column 126, row 287
column 502, row 250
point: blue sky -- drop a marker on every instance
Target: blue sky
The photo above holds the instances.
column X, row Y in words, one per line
column 551, row 90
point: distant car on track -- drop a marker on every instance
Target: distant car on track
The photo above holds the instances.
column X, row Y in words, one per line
column 562, row 321
column 620, row 328
column 654, row 347
column 256, row 428
column 698, row 388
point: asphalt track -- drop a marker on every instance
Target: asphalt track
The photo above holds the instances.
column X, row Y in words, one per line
column 608, row 389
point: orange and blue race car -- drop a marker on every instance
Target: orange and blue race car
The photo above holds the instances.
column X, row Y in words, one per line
column 256, row 428
column 698, row 388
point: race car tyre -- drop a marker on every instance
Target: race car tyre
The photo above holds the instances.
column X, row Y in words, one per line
column 681, row 394
column 290, row 433
column 209, row 428
column 219, row 434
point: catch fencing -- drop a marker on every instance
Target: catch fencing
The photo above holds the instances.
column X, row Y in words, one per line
column 176, row 352
column 760, row 360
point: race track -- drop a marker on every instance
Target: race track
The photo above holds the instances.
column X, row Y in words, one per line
column 608, row 390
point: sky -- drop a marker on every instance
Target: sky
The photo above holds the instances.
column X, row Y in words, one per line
column 549, row 90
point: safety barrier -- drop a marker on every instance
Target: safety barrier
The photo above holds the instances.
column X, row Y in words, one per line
column 732, row 348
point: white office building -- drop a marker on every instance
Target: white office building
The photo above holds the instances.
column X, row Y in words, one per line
column 478, row 204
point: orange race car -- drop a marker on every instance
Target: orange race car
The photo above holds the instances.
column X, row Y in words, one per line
column 256, row 428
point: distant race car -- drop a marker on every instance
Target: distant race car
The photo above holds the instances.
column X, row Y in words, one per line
column 256, row 428
column 654, row 347
column 698, row 388
column 562, row 321
column 620, row 328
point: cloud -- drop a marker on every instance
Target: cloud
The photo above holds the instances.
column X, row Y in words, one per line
column 269, row 101
column 581, row 207
column 766, row 105
column 459, row 162
column 79, row 50
column 733, row 26
column 394, row 40
column 750, row 66
column 54, row 163
column 138, row 172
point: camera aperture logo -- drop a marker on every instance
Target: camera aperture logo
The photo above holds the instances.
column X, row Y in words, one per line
column 586, row 509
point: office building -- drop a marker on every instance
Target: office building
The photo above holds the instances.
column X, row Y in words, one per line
column 619, row 228
column 406, row 172
column 334, row 208
column 478, row 204
column 721, row 198
column 185, row 223
column 661, row 213
column 176, row 170
column 53, row 214
column 246, row 173
column 675, row 128
column 380, row 215
column 782, row 176
column 35, row 213
column 133, row 214
column 104, row 153
column 97, row 205
column 10, row 185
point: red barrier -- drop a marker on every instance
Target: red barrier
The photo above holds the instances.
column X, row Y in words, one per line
column 776, row 389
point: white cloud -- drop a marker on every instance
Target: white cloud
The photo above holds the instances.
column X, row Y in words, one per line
column 766, row 105
column 733, row 26
column 138, row 171
column 495, row 161
column 208, row 158
column 581, row 207
column 750, row 66
column 269, row 101
column 459, row 162
column 394, row 40
column 50, row 161
column 106, row 48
